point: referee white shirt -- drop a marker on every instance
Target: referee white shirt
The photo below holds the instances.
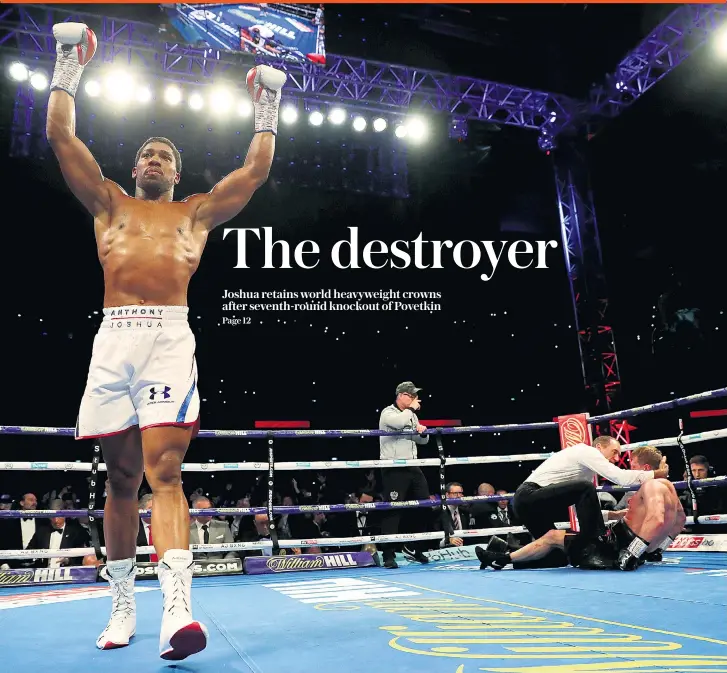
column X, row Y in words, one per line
column 582, row 462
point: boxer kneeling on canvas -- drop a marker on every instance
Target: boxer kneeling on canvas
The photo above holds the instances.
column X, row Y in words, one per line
column 654, row 517
column 566, row 479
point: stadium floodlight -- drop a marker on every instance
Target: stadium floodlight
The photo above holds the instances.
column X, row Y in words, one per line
column 289, row 114
column 39, row 80
column 316, row 118
column 720, row 43
column 337, row 115
column 379, row 124
column 359, row 124
column 172, row 95
column 120, row 87
column 92, row 88
column 196, row 101
column 143, row 94
column 221, row 100
column 416, row 129
column 18, row 72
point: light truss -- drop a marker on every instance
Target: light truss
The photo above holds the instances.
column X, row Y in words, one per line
column 375, row 86
column 685, row 30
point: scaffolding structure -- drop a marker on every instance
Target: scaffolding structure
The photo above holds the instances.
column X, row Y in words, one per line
column 560, row 123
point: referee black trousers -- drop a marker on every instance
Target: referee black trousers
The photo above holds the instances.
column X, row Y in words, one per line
column 539, row 507
column 404, row 483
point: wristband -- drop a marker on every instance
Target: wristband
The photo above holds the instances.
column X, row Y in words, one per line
column 266, row 112
column 66, row 75
column 666, row 544
column 637, row 547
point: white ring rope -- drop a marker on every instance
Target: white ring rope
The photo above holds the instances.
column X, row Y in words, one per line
column 672, row 441
column 318, row 465
column 314, row 542
column 67, row 466
column 258, row 466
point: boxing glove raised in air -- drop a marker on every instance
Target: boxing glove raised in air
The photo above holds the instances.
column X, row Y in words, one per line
column 75, row 47
column 264, row 85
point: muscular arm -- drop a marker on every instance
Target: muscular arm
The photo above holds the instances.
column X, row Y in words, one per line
column 80, row 170
column 231, row 194
column 594, row 460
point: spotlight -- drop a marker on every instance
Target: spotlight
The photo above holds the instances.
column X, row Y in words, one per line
column 244, row 108
column 720, row 42
column 18, row 72
column 92, row 88
column 119, row 87
column 359, row 124
column 379, row 124
column 337, row 116
column 289, row 115
column 221, row 100
column 316, row 118
column 416, row 129
column 196, row 101
column 39, row 80
column 143, row 94
column 400, row 131
column 172, row 95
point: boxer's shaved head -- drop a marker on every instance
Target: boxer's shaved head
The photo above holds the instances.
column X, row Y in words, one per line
column 159, row 139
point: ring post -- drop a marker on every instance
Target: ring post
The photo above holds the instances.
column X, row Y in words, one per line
column 92, row 521
column 574, row 429
column 442, row 486
column 271, row 482
column 688, row 469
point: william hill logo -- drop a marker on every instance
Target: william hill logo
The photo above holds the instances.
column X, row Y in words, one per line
column 282, row 564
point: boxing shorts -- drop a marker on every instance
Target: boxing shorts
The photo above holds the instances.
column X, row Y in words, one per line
column 622, row 535
column 589, row 553
column 143, row 372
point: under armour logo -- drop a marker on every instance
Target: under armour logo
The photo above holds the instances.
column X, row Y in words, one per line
column 153, row 392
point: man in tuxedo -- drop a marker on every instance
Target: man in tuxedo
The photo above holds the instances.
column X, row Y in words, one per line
column 144, row 537
column 61, row 534
column 505, row 518
column 454, row 517
column 354, row 524
column 17, row 533
column 262, row 532
column 481, row 512
column 206, row 530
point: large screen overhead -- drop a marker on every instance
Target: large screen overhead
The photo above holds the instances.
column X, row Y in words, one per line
column 281, row 31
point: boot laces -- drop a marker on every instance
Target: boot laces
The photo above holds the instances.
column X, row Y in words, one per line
column 122, row 594
column 177, row 592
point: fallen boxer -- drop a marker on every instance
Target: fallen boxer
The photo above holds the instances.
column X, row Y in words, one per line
column 653, row 519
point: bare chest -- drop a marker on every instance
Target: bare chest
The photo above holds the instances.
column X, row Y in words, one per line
column 170, row 221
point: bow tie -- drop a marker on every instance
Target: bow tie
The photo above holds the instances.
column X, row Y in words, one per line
column 26, row 518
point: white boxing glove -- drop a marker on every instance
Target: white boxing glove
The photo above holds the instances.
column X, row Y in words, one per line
column 264, row 84
column 75, row 46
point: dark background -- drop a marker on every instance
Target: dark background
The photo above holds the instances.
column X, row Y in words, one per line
column 499, row 352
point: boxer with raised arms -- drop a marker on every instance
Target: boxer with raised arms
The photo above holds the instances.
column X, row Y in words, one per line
column 141, row 397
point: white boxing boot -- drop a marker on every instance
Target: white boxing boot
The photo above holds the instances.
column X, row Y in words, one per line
column 122, row 625
column 180, row 634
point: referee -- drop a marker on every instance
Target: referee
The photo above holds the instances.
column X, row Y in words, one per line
column 565, row 479
column 403, row 483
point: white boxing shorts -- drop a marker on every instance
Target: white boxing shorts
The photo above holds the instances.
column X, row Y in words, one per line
column 143, row 372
